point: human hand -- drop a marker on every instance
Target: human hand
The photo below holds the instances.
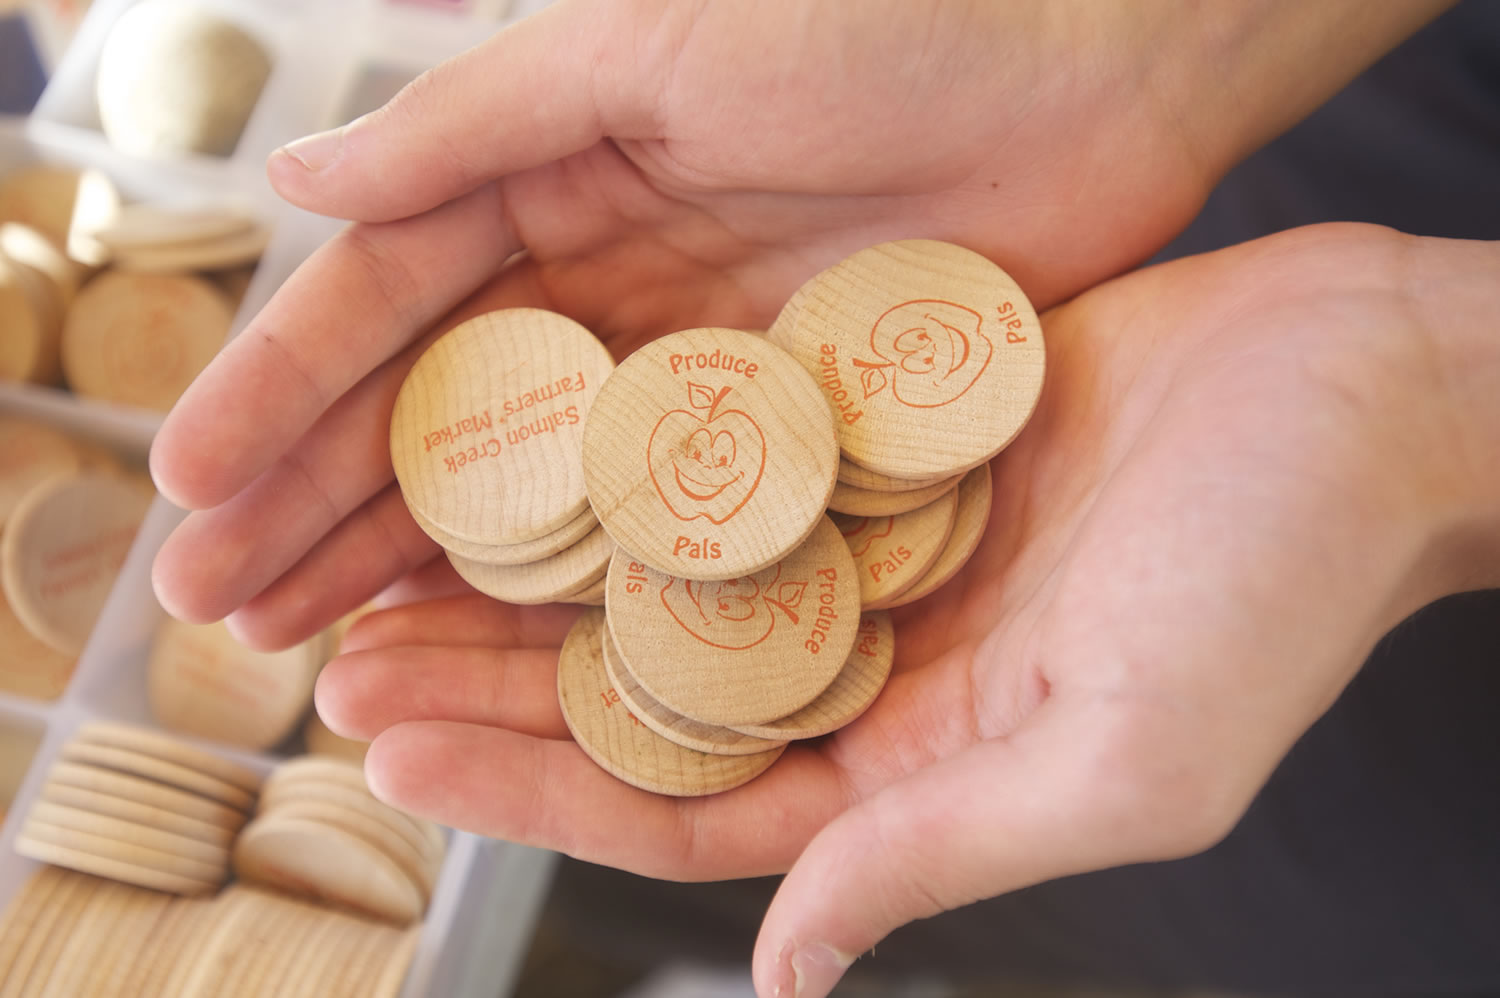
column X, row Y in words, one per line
column 1245, row 468
column 681, row 164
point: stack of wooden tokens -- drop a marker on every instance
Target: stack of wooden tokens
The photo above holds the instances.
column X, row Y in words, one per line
column 66, row 933
column 319, row 832
column 486, row 441
column 140, row 807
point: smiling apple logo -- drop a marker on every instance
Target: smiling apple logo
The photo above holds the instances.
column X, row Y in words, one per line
column 930, row 351
column 733, row 614
column 705, row 461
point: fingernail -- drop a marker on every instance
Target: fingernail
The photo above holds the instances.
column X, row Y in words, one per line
column 817, row 968
column 316, row 152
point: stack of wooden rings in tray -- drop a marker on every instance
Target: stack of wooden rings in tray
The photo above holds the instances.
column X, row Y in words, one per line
column 140, row 807
column 760, row 500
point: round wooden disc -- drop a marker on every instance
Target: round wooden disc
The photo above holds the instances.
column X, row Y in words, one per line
column 862, row 502
column 162, row 746
column 175, row 775
column 200, row 681
column 111, row 806
column 61, row 550
column 684, row 731
column 29, row 350
column 710, row 454
column 293, row 777
column 176, row 955
column 306, row 957
column 30, row 453
column 128, row 832
column 108, row 845
column 542, row 581
column 235, row 250
column 32, row 247
column 423, row 836
column 974, row 497
column 286, row 926
column 145, row 792
column 25, row 908
column 215, row 947
column 592, row 595
column 181, row 921
column 109, row 973
column 873, row 481
column 400, row 848
column 523, row 553
column 366, row 968
column 42, row 197
column 387, row 983
column 859, row 682
column 175, row 77
column 314, row 769
column 930, row 355
column 154, row 224
column 48, row 850
column 30, row 667
column 487, row 430
column 745, row 650
column 318, row 860
column 620, row 744
column 141, row 339
column 893, row 552
column 86, row 942
column 48, row 933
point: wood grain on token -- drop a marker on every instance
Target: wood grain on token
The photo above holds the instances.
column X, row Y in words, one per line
column 684, row 731
column 32, row 961
column 544, row 581
column 204, row 254
column 86, row 942
column 873, row 481
column 160, row 770
column 398, row 848
column 48, row 850
column 23, row 911
column 974, row 499
column 143, row 814
column 930, row 355
column 859, row 682
column 131, row 832
column 863, row 502
column 624, row 747
column 141, row 339
column 145, row 791
column 892, row 552
column 710, row 454
column 166, row 747
column 487, row 430
column 200, row 681
column 151, row 224
column 739, row 651
column 523, row 553
column 61, row 550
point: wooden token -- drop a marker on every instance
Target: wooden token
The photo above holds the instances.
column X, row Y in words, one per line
column 30, row 667
column 620, row 744
column 523, row 553
column 399, row 848
column 111, row 806
column 710, row 454
column 24, row 245
column 30, row 348
column 321, row 741
column 47, row 934
column 171, row 773
column 304, row 771
column 239, row 934
column 542, row 581
column 862, row 502
column 88, row 861
column 61, row 550
column 306, row 957
column 200, row 681
column 30, row 453
column 151, row 224
column 175, row 78
column 346, row 953
column 369, row 809
column 109, row 973
column 144, row 792
column 487, row 430
column 162, row 746
column 369, row 965
column 930, row 355
column 214, row 944
column 684, row 731
column 394, row 966
column 974, row 498
column 318, row 860
column 204, row 254
column 23, row 911
column 859, row 682
column 141, row 339
column 892, row 552
column 147, row 976
column 592, row 595
column 84, row 945
column 41, row 196
column 177, row 956
column 286, row 926
column 745, row 650
column 129, row 832
column 873, row 481
column 122, row 851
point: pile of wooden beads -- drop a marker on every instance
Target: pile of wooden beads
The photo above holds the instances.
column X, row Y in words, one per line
column 738, row 612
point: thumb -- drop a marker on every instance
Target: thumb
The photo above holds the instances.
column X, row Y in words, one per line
column 537, row 91
column 1000, row 815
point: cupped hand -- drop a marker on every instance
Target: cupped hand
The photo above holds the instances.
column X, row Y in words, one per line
column 1244, row 469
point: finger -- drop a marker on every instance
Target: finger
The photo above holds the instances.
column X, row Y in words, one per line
column 351, row 306
column 434, row 580
column 548, row 793
column 538, row 91
column 361, row 694
column 471, row 619
column 369, row 549
column 1001, row 815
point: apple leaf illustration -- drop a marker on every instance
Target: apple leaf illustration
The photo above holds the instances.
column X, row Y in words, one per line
column 873, row 379
column 700, row 396
column 790, row 593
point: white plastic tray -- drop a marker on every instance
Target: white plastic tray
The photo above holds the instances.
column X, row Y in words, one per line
column 334, row 59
